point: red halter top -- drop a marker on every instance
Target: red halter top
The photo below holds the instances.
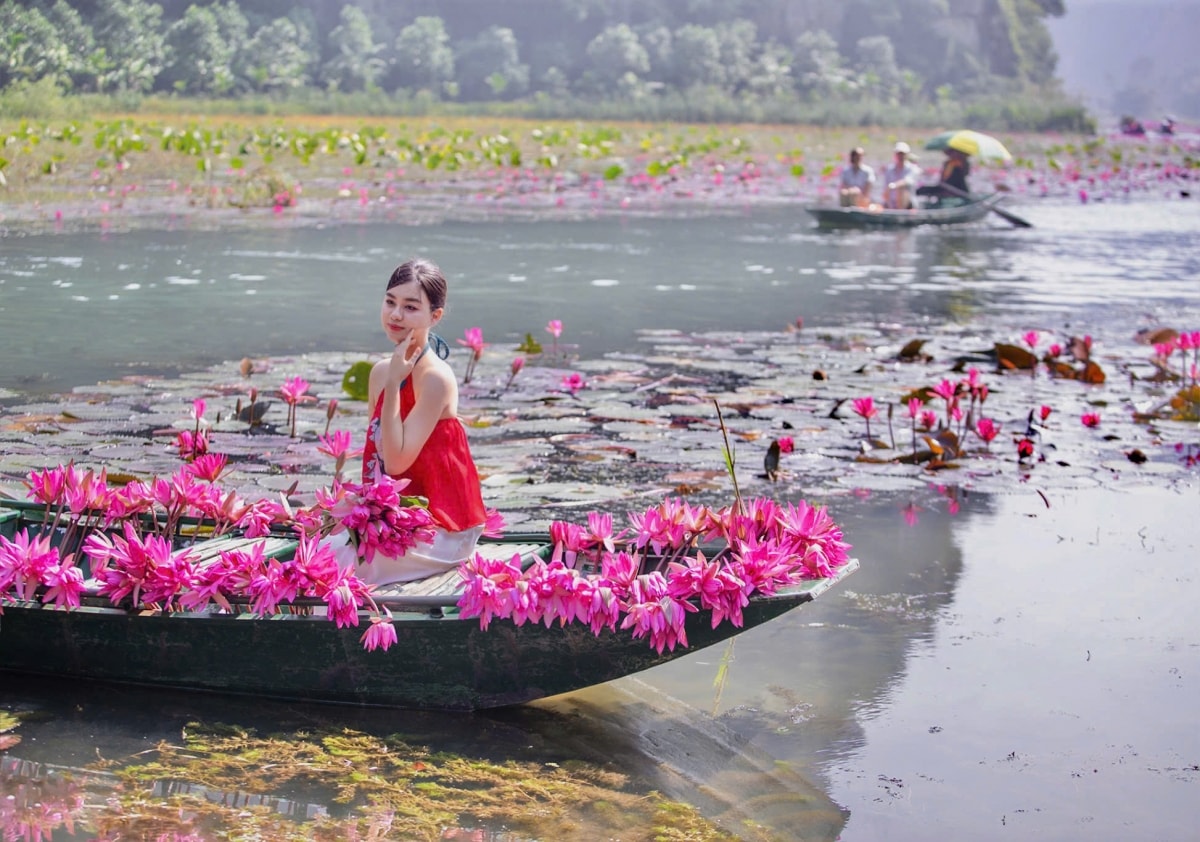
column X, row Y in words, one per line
column 443, row 473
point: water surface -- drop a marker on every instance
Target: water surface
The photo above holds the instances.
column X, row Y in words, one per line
column 75, row 309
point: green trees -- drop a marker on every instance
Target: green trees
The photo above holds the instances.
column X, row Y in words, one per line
column 355, row 63
column 132, row 45
column 617, row 62
column 30, row 48
column 423, row 58
column 200, row 58
column 280, row 54
column 489, row 66
column 728, row 54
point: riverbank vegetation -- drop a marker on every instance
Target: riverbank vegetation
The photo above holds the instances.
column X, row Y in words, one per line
column 989, row 64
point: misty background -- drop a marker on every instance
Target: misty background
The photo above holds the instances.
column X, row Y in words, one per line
column 1135, row 57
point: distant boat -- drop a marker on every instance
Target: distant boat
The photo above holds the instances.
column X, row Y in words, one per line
column 877, row 217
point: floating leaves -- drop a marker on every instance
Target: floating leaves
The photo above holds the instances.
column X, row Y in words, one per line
column 911, row 352
column 356, row 380
column 1010, row 357
column 1185, row 405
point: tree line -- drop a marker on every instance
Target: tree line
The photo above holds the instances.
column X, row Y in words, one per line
column 472, row 51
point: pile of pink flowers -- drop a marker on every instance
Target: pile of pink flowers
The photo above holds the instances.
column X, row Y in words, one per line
column 133, row 539
column 377, row 517
column 654, row 573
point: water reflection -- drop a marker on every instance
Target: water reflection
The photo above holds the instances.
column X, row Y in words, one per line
column 616, row 760
column 802, row 686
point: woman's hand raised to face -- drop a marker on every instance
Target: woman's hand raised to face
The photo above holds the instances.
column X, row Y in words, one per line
column 404, row 359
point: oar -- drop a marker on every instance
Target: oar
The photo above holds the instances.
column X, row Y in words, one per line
column 1011, row 217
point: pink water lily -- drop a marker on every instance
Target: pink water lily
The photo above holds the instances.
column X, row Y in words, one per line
column 573, row 383
column 987, row 429
column 494, row 526
column 208, row 466
column 1090, row 419
column 337, row 445
column 555, row 328
column 472, row 339
column 191, row 445
column 24, row 561
column 293, row 392
column 865, row 408
column 380, row 634
column 517, row 364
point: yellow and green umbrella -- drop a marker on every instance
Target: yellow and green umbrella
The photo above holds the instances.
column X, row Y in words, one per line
column 972, row 143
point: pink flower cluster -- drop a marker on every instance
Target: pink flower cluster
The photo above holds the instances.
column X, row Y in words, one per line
column 78, row 501
column 130, row 538
column 379, row 520
column 650, row 576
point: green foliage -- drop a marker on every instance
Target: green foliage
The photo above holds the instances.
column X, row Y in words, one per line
column 1029, row 111
column 356, row 64
column 530, row 345
column 892, row 62
column 42, row 100
column 489, row 66
column 356, row 380
column 423, row 58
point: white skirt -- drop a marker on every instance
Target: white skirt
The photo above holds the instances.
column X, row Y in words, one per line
column 447, row 551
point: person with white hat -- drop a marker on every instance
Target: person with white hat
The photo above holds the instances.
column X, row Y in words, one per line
column 900, row 178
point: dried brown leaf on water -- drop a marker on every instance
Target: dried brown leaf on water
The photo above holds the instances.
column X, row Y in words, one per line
column 1061, row 370
column 911, row 352
column 1092, row 373
column 1014, row 357
column 1156, row 335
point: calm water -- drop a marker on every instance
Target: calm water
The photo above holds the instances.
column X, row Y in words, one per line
column 1022, row 669
column 77, row 309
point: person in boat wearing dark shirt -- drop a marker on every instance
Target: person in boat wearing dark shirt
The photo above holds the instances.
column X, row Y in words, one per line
column 952, row 182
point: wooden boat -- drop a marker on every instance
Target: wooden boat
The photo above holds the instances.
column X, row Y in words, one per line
column 828, row 216
column 440, row 661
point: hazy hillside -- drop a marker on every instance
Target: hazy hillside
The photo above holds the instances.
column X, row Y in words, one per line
column 1136, row 57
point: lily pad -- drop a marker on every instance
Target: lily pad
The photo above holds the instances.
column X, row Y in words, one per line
column 356, row 380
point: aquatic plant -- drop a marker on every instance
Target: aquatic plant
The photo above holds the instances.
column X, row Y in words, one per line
column 293, row 392
column 865, row 409
column 473, row 340
column 555, row 328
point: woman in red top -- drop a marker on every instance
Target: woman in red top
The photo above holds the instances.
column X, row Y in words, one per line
column 414, row 432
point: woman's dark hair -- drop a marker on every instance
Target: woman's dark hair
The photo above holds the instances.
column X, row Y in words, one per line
column 427, row 274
